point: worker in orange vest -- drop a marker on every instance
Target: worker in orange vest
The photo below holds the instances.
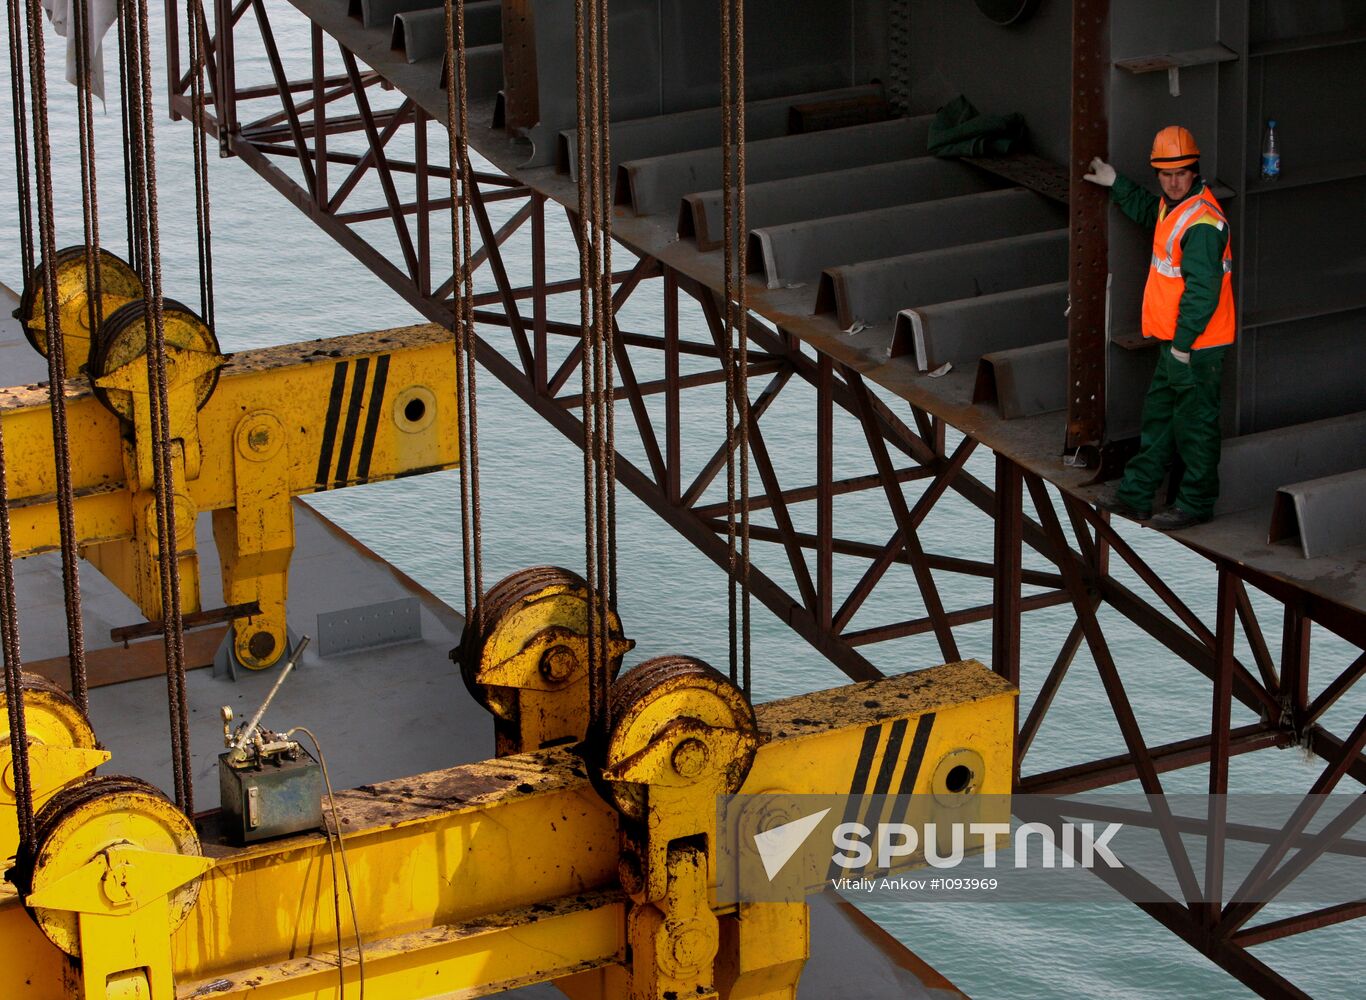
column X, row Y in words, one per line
column 1188, row 308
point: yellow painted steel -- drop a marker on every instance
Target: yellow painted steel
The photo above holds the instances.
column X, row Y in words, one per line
column 526, row 659
column 281, row 422
column 116, row 871
column 119, row 285
column 482, row 877
column 61, row 748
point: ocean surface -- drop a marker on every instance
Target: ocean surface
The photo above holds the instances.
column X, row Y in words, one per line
column 280, row 279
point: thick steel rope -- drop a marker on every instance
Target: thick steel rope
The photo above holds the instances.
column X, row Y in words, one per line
column 602, row 300
column 56, row 354
column 595, row 315
column 14, row 692
column 736, row 318
column 125, row 99
column 466, row 368
column 194, row 11
column 23, row 180
column 146, row 215
column 90, row 202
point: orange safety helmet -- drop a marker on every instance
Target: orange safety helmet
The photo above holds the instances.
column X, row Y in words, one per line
column 1174, row 147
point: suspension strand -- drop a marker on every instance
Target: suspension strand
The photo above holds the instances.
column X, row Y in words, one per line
column 85, row 129
column 121, row 20
column 611, row 447
column 588, row 69
column 737, row 341
column 200, row 139
column 728, row 253
column 467, row 417
column 23, row 181
column 56, row 354
column 742, row 312
column 14, row 693
column 146, row 214
column 605, row 501
column 90, row 205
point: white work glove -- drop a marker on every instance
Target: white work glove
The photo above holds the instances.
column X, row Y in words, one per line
column 1184, row 357
column 1101, row 173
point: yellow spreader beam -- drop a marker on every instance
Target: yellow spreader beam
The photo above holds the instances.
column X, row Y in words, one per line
column 281, row 422
column 483, row 877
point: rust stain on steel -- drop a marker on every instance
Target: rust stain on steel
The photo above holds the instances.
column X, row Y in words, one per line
column 869, row 702
column 1088, row 254
column 468, row 787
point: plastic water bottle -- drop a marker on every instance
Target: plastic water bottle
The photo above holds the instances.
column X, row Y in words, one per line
column 1271, row 154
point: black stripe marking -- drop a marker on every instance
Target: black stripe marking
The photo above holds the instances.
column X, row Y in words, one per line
column 914, row 759
column 859, row 785
column 334, row 402
column 917, row 754
column 367, row 444
column 890, row 757
column 352, row 420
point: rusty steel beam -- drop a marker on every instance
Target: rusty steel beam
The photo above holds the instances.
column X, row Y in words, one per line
column 1082, row 576
column 1165, row 758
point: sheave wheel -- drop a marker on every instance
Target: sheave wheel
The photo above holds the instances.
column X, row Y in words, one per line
column 649, row 696
column 118, row 284
column 90, row 816
column 124, row 338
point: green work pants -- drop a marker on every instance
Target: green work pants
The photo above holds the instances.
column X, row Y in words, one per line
column 1179, row 421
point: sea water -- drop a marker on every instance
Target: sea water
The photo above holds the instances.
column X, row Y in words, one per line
column 278, row 278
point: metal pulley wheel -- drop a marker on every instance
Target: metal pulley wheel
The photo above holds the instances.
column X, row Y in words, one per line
column 50, row 717
column 92, row 816
column 124, row 338
column 684, row 695
column 118, row 284
column 539, row 615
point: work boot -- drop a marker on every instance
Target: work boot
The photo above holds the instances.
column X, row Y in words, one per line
column 1108, row 499
column 1174, row 518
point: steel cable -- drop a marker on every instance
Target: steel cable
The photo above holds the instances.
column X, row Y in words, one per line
column 14, row 693
column 200, row 149
column 146, row 215
column 736, row 358
column 597, row 693
column 462, row 185
column 23, row 180
column 56, row 353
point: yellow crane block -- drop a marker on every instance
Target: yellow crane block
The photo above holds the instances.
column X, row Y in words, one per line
column 249, row 430
column 484, row 877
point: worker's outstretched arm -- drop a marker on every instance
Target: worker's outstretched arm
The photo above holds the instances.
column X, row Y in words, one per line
column 1133, row 201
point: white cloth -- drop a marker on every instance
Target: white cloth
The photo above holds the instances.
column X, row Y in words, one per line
column 101, row 16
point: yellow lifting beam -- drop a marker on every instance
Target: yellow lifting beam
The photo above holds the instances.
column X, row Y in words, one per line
column 250, row 430
column 483, row 877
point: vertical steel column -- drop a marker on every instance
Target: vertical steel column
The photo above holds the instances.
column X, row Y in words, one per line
column 172, row 56
column 1295, row 668
column 1221, row 710
column 1005, row 595
column 227, row 76
column 319, row 118
column 1088, row 251
column 825, row 493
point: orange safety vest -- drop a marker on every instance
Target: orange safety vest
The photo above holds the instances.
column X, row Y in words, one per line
column 1162, row 294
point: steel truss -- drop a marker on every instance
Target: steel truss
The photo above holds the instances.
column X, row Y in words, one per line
column 516, row 348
